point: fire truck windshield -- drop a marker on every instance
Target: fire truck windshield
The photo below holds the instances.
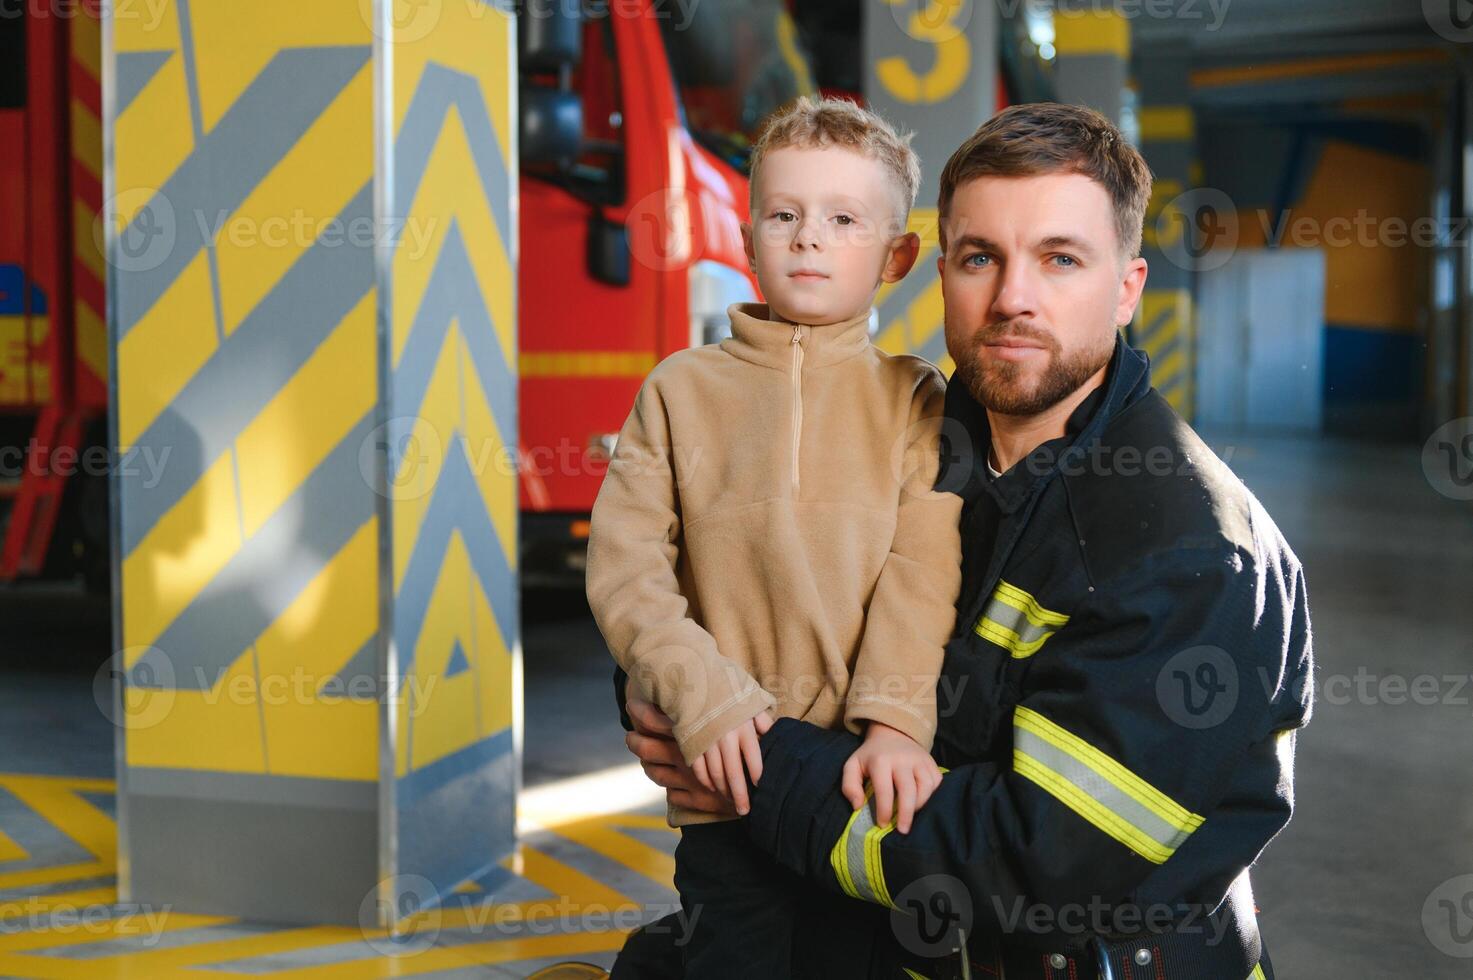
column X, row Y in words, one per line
column 734, row 62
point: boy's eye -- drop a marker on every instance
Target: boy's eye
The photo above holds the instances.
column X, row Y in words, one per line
column 785, row 216
column 844, row 219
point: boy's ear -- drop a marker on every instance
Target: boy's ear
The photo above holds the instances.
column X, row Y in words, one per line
column 903, row 255
column 747, row 246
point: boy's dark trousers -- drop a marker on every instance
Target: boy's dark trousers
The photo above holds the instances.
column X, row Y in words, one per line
column 837, row 937
column 739, row 905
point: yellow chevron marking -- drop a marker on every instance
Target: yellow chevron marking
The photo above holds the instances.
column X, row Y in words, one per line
column 86, row 136
column 437, row 418
column 87, row 42
column 152, row 135
column 91, row 340
column 163, row 351
column 233, row 42
column 154, row 29
column 308, row 734
column 451, row 191
column 309, row 416
column 492, row 461
column 85, row 239
column 466, row 37
column 182, row 554
column 925, row 313
column 496, row 669
column 305, row 191
column 444, row 713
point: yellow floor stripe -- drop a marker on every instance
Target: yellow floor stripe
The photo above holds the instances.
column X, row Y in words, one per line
column 636, row 855
column 10, row 850
column 57, row 801
column 572, row 894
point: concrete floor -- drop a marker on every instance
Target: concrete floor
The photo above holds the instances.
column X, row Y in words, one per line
column 1384, row 823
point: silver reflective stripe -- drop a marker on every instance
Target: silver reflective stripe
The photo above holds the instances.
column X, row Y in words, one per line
column 1015, row 621
column 1099, row 788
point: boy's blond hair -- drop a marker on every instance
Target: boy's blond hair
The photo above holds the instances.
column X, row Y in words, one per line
column 809, row 124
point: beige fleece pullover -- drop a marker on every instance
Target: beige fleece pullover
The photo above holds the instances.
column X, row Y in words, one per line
column 767, row 535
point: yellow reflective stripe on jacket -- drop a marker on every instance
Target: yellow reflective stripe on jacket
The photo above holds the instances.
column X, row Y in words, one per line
column 856, row 856
column 1098, row 788
column 1015, row 621
column 1257, row 973
column 913, row 975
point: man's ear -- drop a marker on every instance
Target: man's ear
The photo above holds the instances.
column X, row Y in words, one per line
column 1131, row 286
column 747, row 246
column 903, row 255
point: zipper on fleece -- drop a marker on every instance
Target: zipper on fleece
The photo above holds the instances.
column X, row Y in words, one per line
column 797, row 399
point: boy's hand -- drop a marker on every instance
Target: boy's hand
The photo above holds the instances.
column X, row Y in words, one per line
column 721, row 768
column 902, row 772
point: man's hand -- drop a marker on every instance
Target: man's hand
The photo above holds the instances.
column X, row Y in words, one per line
column 902, row 772
column 653, row 743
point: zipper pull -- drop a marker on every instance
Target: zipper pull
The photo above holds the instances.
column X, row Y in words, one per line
column 797, row 334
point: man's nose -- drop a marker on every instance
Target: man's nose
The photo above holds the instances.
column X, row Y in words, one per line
column 1016, row 292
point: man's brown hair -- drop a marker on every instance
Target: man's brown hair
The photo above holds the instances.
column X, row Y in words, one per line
column 1048, row 137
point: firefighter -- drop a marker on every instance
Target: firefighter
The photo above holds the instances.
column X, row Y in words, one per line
column 1131, row 659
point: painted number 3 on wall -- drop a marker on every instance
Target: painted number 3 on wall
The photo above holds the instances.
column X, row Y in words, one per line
column 935, row 23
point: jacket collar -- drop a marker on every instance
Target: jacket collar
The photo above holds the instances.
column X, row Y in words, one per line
column 760, row 337
column 964, row 468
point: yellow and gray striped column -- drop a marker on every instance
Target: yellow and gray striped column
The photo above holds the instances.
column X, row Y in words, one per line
column 310, row 220
column 1164, row 327
column 930, row 67
column 1092, row 62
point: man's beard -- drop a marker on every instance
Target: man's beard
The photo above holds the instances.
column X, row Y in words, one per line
column 1001, row 385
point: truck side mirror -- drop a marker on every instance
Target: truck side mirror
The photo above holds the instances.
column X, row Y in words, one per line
column 608, row 249
column 550, row 126
column 549, row 36
column 549, row 43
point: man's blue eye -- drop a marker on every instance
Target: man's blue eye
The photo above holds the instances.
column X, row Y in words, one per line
column 1066, row 258
column 969, row 258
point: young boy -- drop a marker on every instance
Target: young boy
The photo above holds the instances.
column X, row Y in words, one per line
column 767, row 539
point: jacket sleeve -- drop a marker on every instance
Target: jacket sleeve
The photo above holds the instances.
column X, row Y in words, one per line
column 1110, row 775
column 635, row 596
column 911, row 612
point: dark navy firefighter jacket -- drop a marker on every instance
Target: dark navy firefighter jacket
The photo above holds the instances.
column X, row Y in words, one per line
column 1117, row 713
